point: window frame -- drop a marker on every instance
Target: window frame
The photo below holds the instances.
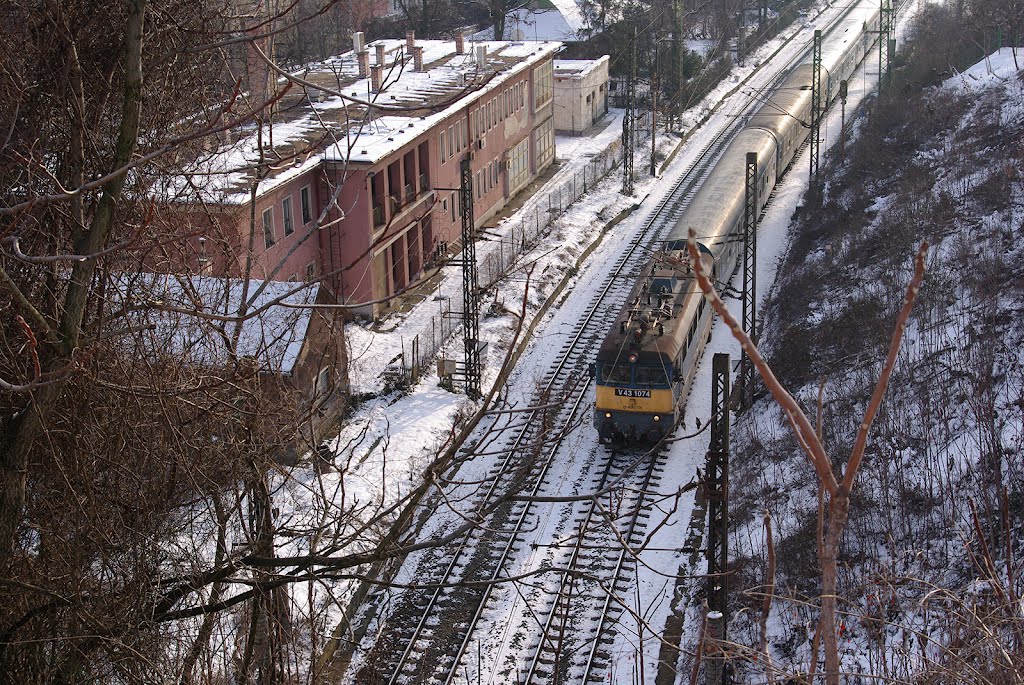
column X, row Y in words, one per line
column 269, row 238
column 306, row 204
column 288, row 223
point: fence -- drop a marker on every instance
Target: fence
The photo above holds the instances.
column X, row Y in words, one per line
column 500, row 256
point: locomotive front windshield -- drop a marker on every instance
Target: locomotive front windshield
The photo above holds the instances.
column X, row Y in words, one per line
column 651, row 377
column 639, row 376
column 617, row 374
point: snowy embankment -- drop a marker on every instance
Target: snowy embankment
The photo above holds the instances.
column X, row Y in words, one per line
column 937, row 505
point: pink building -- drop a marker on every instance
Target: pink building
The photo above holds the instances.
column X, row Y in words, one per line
column 352, row 180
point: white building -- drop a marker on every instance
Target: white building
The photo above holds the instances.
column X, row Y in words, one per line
column 581, row 93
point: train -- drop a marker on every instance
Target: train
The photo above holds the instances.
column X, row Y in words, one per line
column 647, row 360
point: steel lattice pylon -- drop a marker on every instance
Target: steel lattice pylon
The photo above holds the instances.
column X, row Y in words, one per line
column 717, row 489
column 815, row 107
column 470, row 285
column 885, row 43
column 750, row 211
column 629, row 121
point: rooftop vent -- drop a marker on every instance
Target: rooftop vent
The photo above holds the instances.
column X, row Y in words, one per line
column 481, row 56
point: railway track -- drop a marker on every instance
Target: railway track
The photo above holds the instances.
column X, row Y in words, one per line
column 416, row 644
column 605, row 549
column 426, row 634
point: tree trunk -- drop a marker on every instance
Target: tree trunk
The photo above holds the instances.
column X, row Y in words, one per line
column 839, row 511
column 27, row 426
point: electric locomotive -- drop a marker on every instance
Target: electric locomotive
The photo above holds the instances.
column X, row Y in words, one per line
column 648, row 359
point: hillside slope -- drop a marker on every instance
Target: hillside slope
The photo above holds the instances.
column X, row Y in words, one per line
column 939, row 501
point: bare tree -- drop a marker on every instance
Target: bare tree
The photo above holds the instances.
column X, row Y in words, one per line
column 838, row 489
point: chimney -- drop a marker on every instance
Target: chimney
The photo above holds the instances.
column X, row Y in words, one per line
column 358, row 41
column 376, row 73
column 481, row 56
column 379, row 47
column 417, row 57
column 460, row 43
column 364, row 63
column 410, row 40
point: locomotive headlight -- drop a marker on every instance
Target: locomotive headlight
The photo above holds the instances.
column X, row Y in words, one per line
column 657, row 418
column 607, row 414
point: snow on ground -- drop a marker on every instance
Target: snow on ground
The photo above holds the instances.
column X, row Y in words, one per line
column 951, row 458
column 688, row 455
column 998, row 68
column 391, row 438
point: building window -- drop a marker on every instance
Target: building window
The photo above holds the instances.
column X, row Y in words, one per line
column 268, row 227
column 444, row 147
column 451, row 141
column 286, row 212
column 452, row 207
column 519, row 166
column 494, row 171
column 321, row 386
column 310, row 272
column 543, row 85
column 545, row 142
column 307, row 207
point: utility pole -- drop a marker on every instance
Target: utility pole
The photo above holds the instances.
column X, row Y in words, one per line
column 676, row 72
column 815, row 107
column 843, row 92
column 470, row 285
column 717, row 491
column 655, row 86
column 628, row 123
column 739, row 34
column 886, row 44
column 750, row 211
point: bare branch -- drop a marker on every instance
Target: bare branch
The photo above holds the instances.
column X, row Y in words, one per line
column 798, row 420
column 890, row 361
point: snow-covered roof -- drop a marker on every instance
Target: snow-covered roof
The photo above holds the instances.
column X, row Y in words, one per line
column 311, row 125
column 578, row 68
column 570, row 9
column 196, row 317
column 534, row 24
column 451, row 76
